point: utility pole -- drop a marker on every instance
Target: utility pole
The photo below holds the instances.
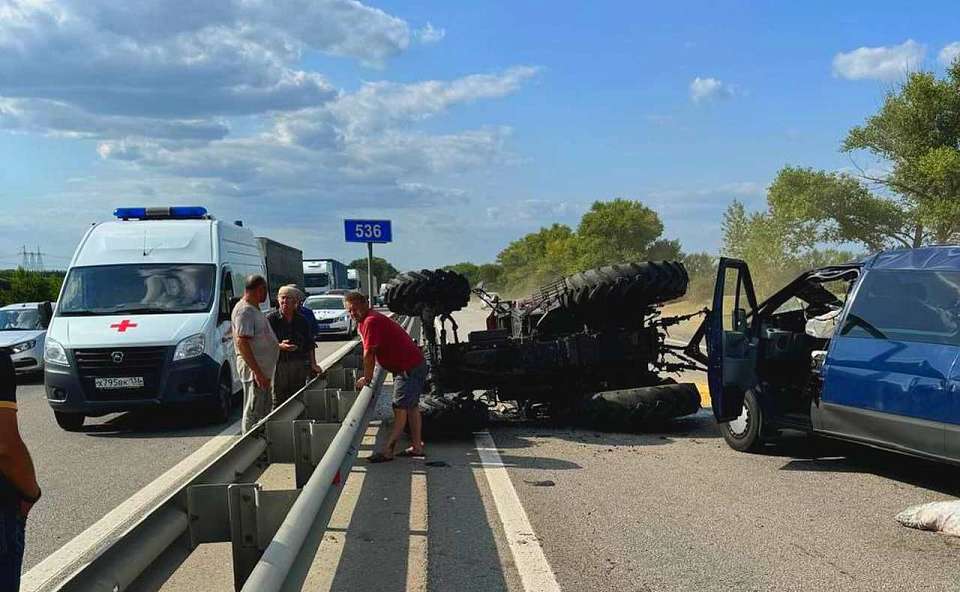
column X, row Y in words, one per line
column 370, row 272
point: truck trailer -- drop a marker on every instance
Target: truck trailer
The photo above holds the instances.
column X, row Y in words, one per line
column 284, row 265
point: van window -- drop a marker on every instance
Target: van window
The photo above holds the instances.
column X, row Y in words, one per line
column 226, row 292
column 921, row 306
column 138, row 289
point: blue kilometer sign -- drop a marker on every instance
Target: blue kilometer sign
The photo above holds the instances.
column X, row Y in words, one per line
column 368, row 231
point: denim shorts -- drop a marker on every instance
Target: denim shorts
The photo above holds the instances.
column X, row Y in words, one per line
column 12, row 528
column 408, row 386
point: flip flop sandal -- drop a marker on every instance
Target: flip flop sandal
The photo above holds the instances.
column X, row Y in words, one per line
column 410, row 453
column 379, row 457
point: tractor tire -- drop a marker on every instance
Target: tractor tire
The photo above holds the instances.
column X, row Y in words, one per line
column 638, row 409
column 440, row 290
column 617, row 295
column 447, row 417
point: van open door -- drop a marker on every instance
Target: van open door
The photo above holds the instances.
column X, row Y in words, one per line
column 731, row 339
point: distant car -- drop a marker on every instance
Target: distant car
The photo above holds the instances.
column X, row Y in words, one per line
column 23, row 328
column 338, row 292
column 332, row 315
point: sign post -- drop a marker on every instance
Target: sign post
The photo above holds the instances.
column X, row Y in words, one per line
column 370, row 232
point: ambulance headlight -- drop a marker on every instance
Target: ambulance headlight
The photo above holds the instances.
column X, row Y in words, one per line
column 190, row 347
column 53, row 353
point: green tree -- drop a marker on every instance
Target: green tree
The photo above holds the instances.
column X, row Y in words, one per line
column 381, row 268
column 762, row 239
column 538, row 257
column 916, row 201
column 469, row 270
column 20, row 285
column 620, row 230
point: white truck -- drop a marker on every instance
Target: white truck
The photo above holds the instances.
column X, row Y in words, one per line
column 143, row 318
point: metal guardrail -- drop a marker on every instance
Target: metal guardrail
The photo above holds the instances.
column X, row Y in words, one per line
column 286, row 562
column 318, row 430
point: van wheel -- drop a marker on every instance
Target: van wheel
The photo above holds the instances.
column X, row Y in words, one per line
column 71, row 422
column 222, row 407
column 745, row 433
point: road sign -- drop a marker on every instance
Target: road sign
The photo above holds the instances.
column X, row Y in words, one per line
column 368, row 231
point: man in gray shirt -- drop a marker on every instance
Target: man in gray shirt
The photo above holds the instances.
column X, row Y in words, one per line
column 257, row 351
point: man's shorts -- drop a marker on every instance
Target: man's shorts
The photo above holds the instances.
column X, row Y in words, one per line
column 408, row 386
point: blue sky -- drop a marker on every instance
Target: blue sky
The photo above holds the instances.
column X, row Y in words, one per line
column 468, row 124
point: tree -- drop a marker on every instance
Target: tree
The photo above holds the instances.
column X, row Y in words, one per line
column 538, row 257
column 381, row 268
column 620, row 230
column 469, row 270
column 763, row 240
column 916, row 135
column 21, row 285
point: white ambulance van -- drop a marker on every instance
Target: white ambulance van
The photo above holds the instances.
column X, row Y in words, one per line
column 143, row 319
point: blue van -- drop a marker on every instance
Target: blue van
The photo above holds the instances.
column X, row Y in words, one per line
column 866, row 352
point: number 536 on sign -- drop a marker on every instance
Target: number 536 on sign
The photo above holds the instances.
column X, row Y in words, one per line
column 367, row 231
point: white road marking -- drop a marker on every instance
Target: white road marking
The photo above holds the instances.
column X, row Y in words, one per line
column 88, row 544
column 535, row 572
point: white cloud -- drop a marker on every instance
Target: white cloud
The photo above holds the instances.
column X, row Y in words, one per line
column 949, row 53
column 212, row 101
column 706, row 89
column 361, row 142
column 429, row 34
column 879, row 63
column 161, row 59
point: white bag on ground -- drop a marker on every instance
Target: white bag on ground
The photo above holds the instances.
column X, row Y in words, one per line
column 937, row 516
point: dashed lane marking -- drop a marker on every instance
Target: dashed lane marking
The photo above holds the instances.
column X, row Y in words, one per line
column 535, row 572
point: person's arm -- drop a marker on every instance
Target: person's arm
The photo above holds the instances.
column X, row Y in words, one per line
column 15, row 462
column 369, row 362
column 246, row 352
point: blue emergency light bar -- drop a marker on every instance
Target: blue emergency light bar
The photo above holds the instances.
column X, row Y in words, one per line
column 171, row 213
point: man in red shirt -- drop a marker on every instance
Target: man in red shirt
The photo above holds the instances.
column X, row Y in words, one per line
column 386, row 343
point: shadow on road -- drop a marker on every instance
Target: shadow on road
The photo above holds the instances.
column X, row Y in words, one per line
column 417, row 526
column 828, row 456
column 517, row 433
column 157, row 423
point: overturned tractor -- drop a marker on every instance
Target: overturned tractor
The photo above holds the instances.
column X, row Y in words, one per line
column 589, row 350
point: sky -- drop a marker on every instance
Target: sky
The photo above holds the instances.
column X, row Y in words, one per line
column 468, row 124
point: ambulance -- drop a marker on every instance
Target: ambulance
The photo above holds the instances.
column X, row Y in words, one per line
column 143, row 318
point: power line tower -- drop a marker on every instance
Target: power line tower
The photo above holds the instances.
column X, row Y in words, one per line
column 31, row 260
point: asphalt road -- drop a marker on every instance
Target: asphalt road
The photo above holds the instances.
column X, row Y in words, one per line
column 680, row 510
column 86, row 474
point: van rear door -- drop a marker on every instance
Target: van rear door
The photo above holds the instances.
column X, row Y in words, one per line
column 731, row 339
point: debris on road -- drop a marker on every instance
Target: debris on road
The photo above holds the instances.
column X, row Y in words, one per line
column 942, row 517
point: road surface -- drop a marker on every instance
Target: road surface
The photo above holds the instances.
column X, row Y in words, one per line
column 86, row 474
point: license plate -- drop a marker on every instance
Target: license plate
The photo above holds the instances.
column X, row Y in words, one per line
column 125, row 382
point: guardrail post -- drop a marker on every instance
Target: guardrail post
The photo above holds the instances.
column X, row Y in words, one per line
column 242, row 499
column 352, row 361
column 342, row 378
column 345, row 400
column 311, row 440
column 209, row 513
column 303, row 463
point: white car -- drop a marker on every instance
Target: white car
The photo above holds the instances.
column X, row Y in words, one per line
column 332, row 315
column 22, row 330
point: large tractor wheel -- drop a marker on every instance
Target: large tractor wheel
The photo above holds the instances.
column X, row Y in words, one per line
column 620, row 294
column 441, row 290
column 639, row 409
